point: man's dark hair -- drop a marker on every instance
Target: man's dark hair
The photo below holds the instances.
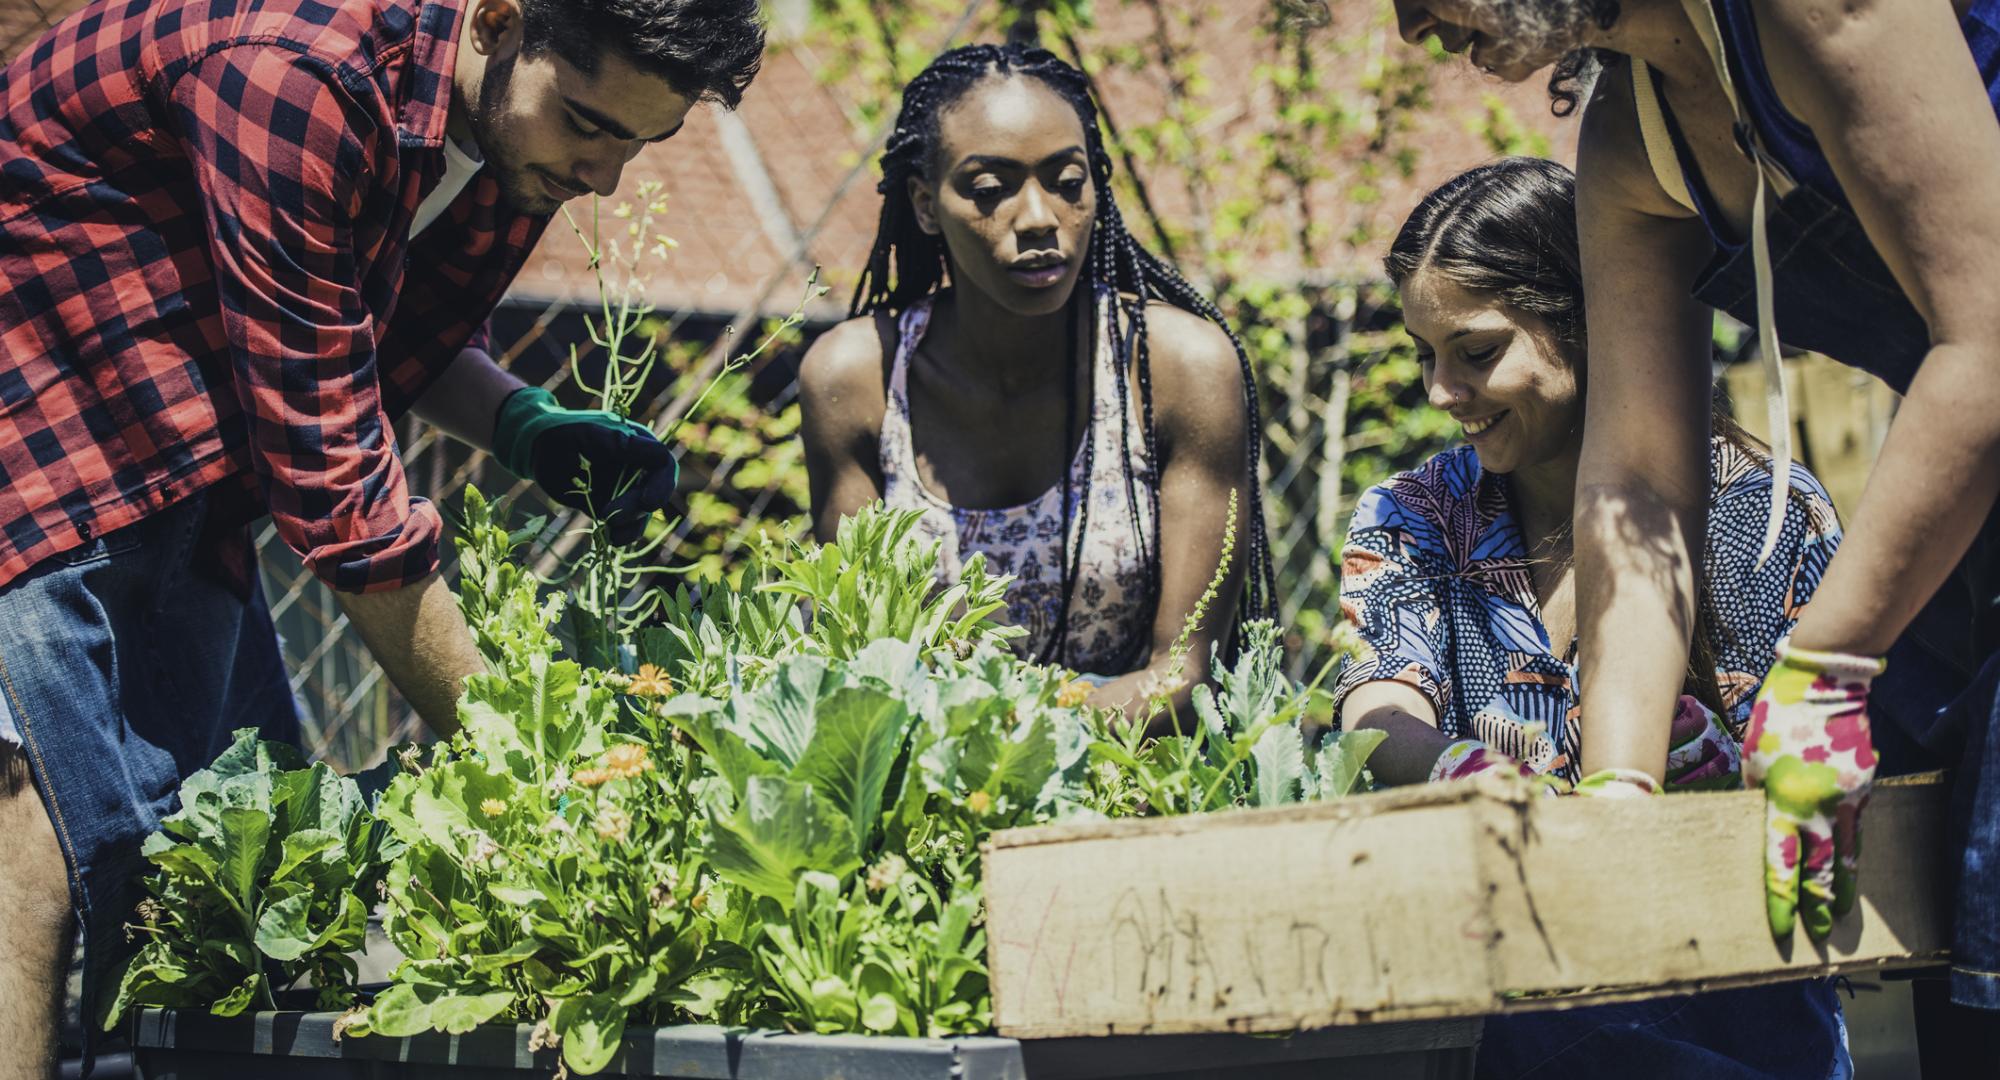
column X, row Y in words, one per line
column 708, row 50
column 908, row 264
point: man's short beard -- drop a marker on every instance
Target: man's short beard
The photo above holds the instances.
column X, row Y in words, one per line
column 517, row 187
column 1538, row 31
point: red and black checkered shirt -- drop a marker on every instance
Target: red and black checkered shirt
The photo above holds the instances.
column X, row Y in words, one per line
column 206, row 275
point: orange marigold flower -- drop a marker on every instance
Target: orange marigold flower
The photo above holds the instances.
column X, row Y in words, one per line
column 650, row 682
column 621, row 762
column 627, row 760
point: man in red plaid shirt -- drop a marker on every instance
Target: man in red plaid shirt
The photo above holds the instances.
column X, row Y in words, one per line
column 237, row 241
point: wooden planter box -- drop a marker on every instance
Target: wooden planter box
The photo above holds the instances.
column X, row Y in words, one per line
column 1439, row 901
column 192, row 1045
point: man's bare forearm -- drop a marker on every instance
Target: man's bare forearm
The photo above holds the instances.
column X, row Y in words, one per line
column 419, row 637
column 466, row 398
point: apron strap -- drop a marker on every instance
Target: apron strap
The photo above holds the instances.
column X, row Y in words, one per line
column 1659, row 144
column 1770, row 173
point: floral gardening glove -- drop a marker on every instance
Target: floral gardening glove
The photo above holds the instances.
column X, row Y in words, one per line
column 588, row 459
column 1809, row 749
column 1618, row 784
column 1470, row 757
column 1702, row 755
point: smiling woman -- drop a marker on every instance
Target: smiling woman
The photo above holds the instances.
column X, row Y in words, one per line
column 1050, row 395
column 1458, row 577
column 1458, row 573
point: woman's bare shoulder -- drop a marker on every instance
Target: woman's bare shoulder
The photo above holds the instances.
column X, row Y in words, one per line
column 846, row 367
column 1197, row 376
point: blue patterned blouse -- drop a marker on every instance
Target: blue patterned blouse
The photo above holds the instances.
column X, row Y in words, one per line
column 1435, row 577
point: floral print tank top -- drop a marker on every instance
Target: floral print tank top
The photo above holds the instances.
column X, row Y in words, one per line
column 1111, row 614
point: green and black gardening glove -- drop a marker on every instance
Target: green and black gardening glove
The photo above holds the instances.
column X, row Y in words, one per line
column 592, row 460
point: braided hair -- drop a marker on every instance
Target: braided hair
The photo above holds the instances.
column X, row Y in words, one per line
column 907, row 264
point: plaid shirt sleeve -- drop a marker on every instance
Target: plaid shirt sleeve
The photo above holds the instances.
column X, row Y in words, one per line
column 282, row 156
column 456, row 269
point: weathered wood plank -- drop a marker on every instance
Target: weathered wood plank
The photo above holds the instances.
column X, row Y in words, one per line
column 1433, row 902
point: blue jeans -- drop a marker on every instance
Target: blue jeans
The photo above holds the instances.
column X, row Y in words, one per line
column 124, row 666
column 1787, row 1031
column 1965, row 736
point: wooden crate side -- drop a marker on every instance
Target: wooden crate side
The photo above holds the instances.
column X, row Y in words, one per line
column 1603, row 897
column 1458, row 901
column 1254, row 923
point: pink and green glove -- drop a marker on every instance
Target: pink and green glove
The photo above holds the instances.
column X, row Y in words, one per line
column 1470, row 757
column 1701, row 756
column 1809, row 748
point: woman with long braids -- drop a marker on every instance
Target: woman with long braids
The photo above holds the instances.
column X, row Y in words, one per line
column 1041, row 387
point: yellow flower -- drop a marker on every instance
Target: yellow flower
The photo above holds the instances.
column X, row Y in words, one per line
column 492, row 807
column 979, row 803
column 1074, row 692
column 621, row 762
column 650, row 682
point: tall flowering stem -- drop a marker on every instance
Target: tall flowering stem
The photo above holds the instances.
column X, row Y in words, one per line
column 606, row 577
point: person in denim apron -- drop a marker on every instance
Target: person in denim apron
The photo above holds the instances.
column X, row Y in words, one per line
column 1840, row 160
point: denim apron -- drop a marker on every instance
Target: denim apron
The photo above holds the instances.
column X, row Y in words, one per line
column 1938, row 704
column 124, row 665
column 1833, row 286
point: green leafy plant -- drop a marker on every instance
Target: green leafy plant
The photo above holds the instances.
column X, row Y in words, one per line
column 1247, row 748
column 775, row 821
column 878, row 580
column 263, row 877
column 608, row 579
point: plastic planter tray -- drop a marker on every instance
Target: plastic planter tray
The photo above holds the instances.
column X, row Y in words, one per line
column 172, row 1045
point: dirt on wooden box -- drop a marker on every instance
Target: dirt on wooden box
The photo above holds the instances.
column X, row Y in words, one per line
column 1441, row 901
